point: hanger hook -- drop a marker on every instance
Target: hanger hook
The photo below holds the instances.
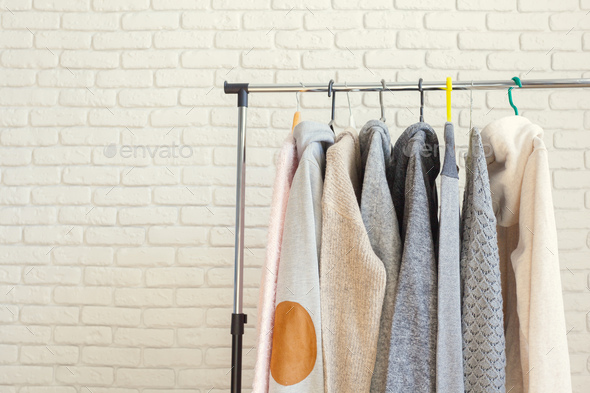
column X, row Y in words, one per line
column 297, row 98
column 421, row 90
column 351, row 122
column 348, row 98
column 449, row 89
column 381, row 100
column 519, row 84
column 470, row 105
column 332, row 93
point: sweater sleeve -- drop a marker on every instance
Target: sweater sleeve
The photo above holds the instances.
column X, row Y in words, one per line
column 286, row 166
column 544, row 350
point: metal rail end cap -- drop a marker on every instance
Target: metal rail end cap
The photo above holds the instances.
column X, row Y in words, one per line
column 234, row 88
column 241, row 89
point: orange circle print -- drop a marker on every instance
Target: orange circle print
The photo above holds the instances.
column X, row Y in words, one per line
column 294, row 345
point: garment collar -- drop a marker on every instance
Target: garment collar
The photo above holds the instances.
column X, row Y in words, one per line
column 308, row 132
column 508, row 143
column 428, row 148
column 450, row 162
column 369, row 130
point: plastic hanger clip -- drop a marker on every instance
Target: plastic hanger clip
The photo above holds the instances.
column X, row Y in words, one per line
column 519, row 84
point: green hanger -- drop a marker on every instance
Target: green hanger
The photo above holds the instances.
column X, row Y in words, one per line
column 517, row 81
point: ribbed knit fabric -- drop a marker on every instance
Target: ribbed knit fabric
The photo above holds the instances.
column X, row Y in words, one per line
column 352, row 278
column 536, row 335
column 412, row 355
column 484, row 355
column 296, row 360
column 382, row 228
column 286, row 165
column 449, row 358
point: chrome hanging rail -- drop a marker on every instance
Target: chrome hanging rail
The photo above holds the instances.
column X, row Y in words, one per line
column 243, row 89
column 233, row 88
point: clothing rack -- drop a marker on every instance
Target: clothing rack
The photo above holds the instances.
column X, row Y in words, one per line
column 243, row 89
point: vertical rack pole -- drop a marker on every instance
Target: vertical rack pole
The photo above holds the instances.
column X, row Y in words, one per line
column 239, row 318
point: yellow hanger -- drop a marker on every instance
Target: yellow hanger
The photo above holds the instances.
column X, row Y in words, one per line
column 449, row 89
column 297, row 115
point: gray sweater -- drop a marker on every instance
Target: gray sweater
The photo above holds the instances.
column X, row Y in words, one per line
column 412, row 355
column 484, row 354
column 383, row 230
column 296, row 363
column 449, row 357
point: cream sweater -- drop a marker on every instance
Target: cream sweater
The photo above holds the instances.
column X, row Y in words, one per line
column 536, row 344
column 352, row 277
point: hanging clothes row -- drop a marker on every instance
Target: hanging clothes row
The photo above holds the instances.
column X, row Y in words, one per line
column 370, row 286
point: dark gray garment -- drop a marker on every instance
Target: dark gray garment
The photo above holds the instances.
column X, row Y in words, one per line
column 383, row 229
column 484, row 349
column 449, row 342
column 412, row 354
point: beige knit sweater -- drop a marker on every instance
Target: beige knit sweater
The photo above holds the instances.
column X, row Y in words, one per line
column 352, row 277
column 536, row 345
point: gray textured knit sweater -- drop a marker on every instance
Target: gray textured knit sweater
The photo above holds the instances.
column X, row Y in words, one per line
column 383, row 230
column 412, row 355
column 484, row 355
column 449, row 343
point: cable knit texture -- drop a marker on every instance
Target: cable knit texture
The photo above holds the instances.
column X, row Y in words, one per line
column 286, row 165
column 383, row 230
column 449, row 342
column 483, row 325
column 412, row 355
column 537, row 351
column 352, row 277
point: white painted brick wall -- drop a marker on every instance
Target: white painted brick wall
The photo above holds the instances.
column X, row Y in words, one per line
column 116, row 265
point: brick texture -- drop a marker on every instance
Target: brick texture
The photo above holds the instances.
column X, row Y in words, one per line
column 117, row 154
